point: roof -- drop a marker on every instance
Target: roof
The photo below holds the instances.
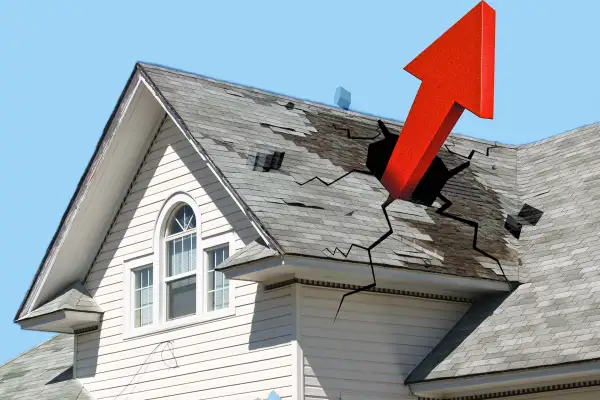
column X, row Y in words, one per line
column 43, row 373
column 233, row 124
column 74, row 298
column 554, row 317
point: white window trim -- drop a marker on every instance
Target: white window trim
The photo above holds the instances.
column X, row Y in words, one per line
column 158, row 260
column 208, row 244
column 129, row 266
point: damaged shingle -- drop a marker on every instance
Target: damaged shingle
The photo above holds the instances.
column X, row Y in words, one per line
column 266, row 161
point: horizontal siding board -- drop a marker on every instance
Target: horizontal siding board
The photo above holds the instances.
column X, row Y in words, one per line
column 375, row 342
column 194, row 362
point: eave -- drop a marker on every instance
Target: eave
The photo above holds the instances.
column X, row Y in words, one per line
column 515, row 382
column 62, row 321
column 281, row 268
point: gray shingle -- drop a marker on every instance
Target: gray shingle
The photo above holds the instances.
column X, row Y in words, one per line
column 43, row 373
column 75, row 297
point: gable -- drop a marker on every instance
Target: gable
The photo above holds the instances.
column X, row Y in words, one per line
column 171, row 166
column 101, row 188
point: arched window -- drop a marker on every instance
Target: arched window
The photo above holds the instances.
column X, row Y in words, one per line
column 180, row 273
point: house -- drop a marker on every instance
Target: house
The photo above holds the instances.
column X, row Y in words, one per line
column 197, row 260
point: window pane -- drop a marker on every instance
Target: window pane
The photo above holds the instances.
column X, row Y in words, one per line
column 192, row 252
column 218, row 292
column 138, row 318
column 181, row 297
column 185, row 253
column 137, row 295
column 218, row 299
column 211, row 301
column 142, row 297
column 218, row 280
column 183, row 219
column 211, row 280
column 146, row 316
column 181, row 255
column 138, row 280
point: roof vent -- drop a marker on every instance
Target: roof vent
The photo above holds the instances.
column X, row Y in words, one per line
column 342, row 98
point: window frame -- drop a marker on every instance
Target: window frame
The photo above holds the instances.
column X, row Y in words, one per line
column 130, row 266
column 159, row 257
column 164, row 262
column 210, row 244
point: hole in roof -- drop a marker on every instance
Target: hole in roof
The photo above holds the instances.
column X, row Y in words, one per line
column 266, row 161
column 298, row 204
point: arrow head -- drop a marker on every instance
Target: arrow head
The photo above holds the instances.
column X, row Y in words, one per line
column 461, row 61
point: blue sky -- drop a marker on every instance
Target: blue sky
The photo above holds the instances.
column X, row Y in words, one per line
column 64, row 65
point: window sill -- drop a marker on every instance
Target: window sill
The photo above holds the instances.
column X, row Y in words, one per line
column 183, row 322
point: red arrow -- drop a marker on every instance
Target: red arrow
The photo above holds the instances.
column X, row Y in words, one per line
column 457, row 72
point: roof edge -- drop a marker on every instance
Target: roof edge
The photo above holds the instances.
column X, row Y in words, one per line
column 504, row 379
column 76, row 192
column 262, row 231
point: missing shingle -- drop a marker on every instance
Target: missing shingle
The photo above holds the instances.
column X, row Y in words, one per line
column 266, row 161
column 234, row 93
column 298, row 204
column 350, row 213
column 295, row 204
column 282, row 129
column 228, row 144
column 528, row 215
column 275, row 126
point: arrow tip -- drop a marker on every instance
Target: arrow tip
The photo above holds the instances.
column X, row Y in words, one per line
column 461, row 61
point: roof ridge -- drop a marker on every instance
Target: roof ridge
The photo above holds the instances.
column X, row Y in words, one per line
column 357, row 113
column 243, row 86
column 557, row 135
column 328, row 107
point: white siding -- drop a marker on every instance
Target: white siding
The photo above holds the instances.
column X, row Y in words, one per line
column 244, row 356
column 376, row 341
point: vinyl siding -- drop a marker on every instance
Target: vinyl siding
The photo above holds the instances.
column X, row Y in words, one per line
column 376, row 341
column 244, row 356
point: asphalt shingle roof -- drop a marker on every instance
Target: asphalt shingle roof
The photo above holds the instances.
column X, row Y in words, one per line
column 75, row 297
column 43, row 373
column 554, row 316
column 233, row 123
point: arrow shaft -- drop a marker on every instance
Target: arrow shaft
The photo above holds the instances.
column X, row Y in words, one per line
column 430, row 120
